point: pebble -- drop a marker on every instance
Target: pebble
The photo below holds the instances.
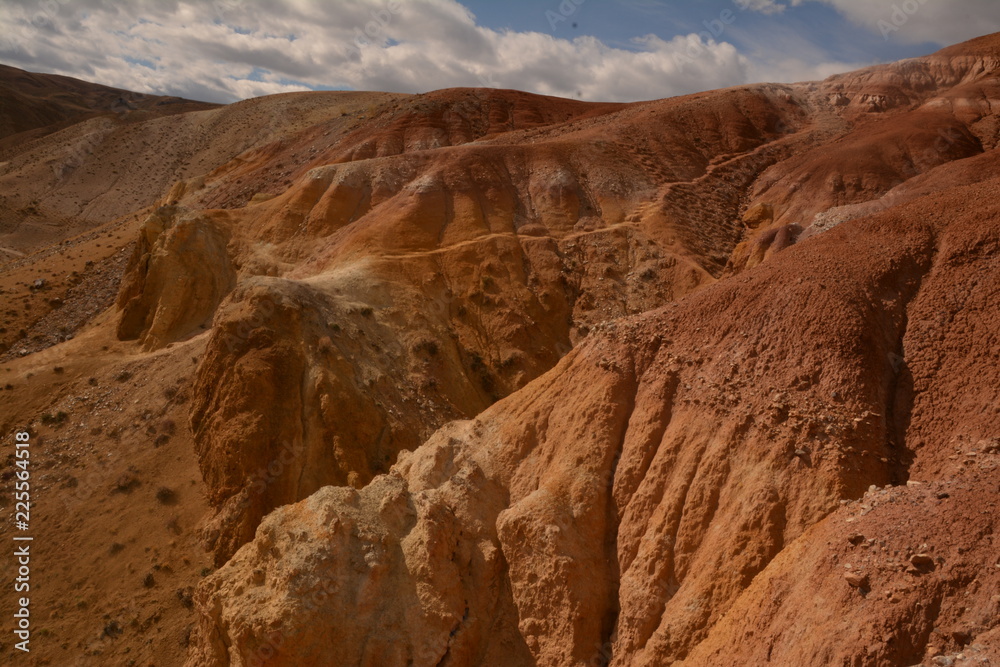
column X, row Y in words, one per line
column 856, row 580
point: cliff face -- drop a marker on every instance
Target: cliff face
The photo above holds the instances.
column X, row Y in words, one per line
column 465, row 240
column 622, row 506
column 633, row 505
column 380, row 298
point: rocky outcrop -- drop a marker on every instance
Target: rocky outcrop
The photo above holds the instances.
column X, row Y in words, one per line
column 925, row 556
column 436, row 284
column 616, row 509
column 335, row 375
column 179, row 273
column 479, row 377
column 444, row 278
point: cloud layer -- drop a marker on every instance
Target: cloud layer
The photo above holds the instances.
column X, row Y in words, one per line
column 233, row 49
column 941, row 22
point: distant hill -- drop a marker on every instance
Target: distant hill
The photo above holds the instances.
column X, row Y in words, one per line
column 48, row 102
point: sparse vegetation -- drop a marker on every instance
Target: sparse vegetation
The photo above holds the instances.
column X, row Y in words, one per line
column 112, row 629
column 127, row 483
column 426, row 346
column 166, row 496
column 186, row 597
column 54, row 420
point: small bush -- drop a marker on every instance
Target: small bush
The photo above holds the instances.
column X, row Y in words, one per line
column 126, row 484
column 166, row 496
column 54, row 419
column 113, row 630
column 426, row 346
column 184, row 595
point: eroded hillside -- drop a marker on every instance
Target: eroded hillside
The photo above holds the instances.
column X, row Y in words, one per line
column 479, row 377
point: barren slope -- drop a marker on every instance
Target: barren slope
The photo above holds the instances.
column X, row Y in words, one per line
column 33, row 105
column 622, row 503
column 479, row 377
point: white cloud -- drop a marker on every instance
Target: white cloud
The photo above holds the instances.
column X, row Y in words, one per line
column 762, row 6
column 791, row 70
column 942, row 22
column 233, row 49
column 787, row 54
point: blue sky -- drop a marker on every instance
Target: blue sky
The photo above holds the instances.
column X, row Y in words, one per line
column 613, row 50
column 616, row 22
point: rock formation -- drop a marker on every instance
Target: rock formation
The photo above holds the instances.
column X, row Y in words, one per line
column 626, row 500
column 479, row 377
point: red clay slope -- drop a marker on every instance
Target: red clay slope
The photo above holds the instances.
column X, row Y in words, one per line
column 622, row 504
column 703, row 324
column 443, row 262
column 669, row 492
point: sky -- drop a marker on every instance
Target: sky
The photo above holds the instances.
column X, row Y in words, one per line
column 598, row 50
